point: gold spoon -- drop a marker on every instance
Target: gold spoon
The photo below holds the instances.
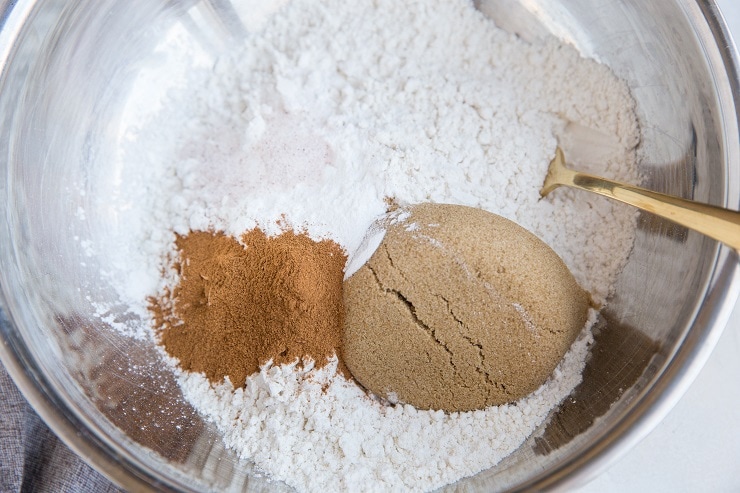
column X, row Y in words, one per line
column 715, row 222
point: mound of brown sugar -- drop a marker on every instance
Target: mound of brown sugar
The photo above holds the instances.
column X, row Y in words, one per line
column 459, row 309
column 237, row 306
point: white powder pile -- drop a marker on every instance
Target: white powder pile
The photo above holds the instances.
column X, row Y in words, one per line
column 322, row 113
column 319, row 432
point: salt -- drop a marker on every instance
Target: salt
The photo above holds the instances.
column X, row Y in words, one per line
column 326, row 109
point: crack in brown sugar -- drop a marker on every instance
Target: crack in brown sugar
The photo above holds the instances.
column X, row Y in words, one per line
column 411, row 310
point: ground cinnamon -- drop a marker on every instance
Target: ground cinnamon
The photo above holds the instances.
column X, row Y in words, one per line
column 237, row 306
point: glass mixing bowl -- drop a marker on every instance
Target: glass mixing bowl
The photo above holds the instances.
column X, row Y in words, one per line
column 72, row 68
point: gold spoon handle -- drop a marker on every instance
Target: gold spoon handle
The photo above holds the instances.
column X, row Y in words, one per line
column 715, row 222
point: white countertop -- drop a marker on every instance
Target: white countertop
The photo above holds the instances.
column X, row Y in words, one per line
column 696, row 448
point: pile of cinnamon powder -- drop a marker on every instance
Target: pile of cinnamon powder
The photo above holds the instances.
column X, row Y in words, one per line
column 239, row 305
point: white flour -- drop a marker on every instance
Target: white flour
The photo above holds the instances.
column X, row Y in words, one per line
column 319, row 116
column 337, row 439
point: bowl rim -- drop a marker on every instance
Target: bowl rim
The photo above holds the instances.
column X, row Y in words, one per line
column 721, row 295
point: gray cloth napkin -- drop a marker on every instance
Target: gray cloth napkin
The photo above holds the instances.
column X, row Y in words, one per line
column 32, row 458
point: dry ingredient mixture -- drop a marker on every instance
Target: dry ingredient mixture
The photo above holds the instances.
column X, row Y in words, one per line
column 459, row 309
column 320, row 114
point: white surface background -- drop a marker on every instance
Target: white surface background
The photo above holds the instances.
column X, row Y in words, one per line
column 696, row 448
